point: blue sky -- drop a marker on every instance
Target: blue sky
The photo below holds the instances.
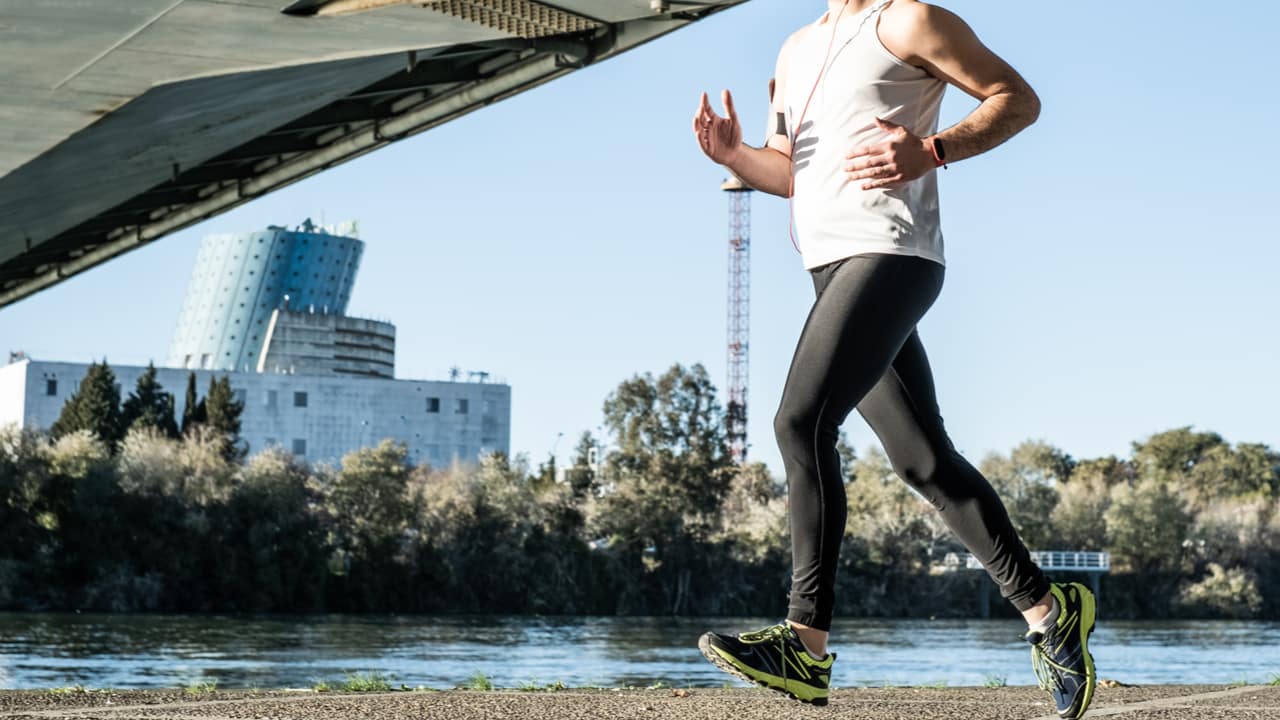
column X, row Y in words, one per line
column 1111, row 271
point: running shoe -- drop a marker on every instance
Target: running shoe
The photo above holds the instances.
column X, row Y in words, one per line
column 1060, row 656
column 773, row 657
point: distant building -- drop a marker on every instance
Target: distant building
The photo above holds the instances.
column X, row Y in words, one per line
column 311, row 344
column 268, row 309
column 240, row 280
column 318, row 418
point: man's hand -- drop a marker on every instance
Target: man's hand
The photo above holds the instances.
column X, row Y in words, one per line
column 720, row 138
column 901, row 158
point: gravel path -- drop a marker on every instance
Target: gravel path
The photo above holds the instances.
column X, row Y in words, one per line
column 1016, row 703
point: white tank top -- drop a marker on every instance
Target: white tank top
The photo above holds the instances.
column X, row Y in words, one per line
column 835, row 218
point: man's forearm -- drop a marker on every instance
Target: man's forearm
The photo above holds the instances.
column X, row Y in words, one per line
column 764, row 169
column 997, row 119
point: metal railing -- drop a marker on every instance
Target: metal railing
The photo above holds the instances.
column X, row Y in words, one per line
column 1051, row 560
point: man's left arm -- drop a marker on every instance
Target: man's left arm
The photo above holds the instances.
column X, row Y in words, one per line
column 946, row 47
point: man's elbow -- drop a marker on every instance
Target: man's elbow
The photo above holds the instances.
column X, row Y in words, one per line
column 1029, row 102
column 1033, row 106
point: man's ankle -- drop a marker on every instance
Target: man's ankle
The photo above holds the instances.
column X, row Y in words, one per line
column 810, row 638
column 1050, row 618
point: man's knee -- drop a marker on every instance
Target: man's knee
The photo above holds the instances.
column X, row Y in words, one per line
column 790, row 425
column 803, row 425
column 920, row 470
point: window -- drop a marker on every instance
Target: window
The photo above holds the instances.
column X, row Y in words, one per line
column 490, row 406
column 51, row 387
column 238, row 396
column 461, row 407
column 433, row 405
column 299, row 446
column 299, row 399
column 270, row 398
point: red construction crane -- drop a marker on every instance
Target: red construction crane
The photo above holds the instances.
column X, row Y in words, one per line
column 739, row 314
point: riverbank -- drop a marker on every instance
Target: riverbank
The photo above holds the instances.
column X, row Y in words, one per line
column 1186, row 702
column 154, row 652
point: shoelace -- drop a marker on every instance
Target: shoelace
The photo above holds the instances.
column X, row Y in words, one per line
column 1044, row 666
column 773, row 632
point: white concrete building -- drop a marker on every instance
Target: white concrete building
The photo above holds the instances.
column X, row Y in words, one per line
column 318, row 418
column 317, row 344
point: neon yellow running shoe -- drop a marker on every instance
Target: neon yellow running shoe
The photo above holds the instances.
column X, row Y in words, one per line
column 1060, row 656
column 773, row 657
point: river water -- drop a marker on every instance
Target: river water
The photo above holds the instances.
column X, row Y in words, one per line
column 152, row 651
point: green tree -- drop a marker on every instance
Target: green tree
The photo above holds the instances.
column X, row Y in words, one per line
column 369, row 496
column 581, row 476
column 369, row 507
column 274, row 544
column 1229, row 593
column 94, row 406
column 78, row 500
column 848, row 456
column 1079, row 521
column 1232, row 532
column 1147, row 525
column 668, row 476
column 24, row 474
column 150, row 406
column 1172, row 454
column 506, row 544
column 194, row 411
column 223, row 416
column 1250, row 469
column 894, row 527
column 545, row 477
column 1027, row 481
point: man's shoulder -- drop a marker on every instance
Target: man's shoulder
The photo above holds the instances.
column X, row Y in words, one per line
column 914, row 13
column 796, row 37
column 790, row 43
column 907, row 22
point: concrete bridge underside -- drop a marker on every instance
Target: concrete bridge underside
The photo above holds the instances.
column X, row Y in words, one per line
column 121, row 122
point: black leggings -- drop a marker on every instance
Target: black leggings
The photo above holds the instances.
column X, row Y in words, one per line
column 859, row 348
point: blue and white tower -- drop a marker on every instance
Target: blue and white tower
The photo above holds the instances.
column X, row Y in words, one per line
column 240, row 280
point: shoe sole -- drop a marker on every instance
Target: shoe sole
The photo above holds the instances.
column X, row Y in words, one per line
column 712, row 655
column 1088, row 616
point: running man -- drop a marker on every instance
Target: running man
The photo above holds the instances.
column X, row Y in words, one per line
column 855, row 145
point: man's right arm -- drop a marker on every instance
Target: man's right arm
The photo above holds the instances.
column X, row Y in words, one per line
column 768, row 168
column 765, row 169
